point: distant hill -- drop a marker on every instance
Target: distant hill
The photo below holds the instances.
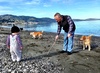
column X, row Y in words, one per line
column 89, row 19
column 9, row 19
column 13, row 19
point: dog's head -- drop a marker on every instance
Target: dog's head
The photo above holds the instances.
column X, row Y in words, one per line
column 85, row 38
column 31, row 33
column 88, row 37
column 82, row 38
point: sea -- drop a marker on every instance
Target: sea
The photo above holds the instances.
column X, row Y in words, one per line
column 82, row 27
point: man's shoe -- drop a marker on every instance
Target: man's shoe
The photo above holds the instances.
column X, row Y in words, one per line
column 62, row 51
column 69, row 53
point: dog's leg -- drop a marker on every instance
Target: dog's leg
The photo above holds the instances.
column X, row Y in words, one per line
column 34, row 37
column 83, row 46
column 40, row 36
column 89, row 47
column 86, row 46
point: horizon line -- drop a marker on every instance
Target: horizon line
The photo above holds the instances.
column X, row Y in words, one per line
column 49, row 17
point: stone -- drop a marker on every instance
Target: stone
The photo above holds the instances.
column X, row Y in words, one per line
column 38, row 65
column 9, row 70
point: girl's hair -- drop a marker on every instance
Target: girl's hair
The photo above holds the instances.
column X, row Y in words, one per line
column 15, row 29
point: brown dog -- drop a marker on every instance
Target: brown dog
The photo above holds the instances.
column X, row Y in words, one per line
column 86, row 42
column 36, row 34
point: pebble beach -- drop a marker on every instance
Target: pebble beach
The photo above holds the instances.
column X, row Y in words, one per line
column 39, row 57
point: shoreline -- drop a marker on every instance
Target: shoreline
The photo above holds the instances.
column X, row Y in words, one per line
column 4, row 28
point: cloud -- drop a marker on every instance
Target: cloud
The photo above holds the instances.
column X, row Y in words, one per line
column 69, row 1
column 5, row 9
column 33, row 2
column 3, row 0
column 56, row 0
column 65, row 2
column 46, row 5
column 11, row 1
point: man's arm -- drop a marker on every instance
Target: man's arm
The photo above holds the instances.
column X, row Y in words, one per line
column 58, row 32
column 59, row 29
column 71, row 24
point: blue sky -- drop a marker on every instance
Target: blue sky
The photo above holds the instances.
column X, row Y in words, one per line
column 47, row 8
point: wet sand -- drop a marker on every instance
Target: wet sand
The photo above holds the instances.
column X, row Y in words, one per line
column 36, row 49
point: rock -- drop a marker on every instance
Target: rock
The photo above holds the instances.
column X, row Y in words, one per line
column 13, row 71
column 36, row 64
column 1, row 49
column 9, row 70
column 25, row 70
column 0, row 65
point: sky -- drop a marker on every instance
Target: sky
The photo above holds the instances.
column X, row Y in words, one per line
column 77, row 9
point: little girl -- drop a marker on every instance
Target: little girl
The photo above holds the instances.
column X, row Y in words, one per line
column 14, row 43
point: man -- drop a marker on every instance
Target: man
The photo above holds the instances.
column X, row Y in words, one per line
column 69, row 28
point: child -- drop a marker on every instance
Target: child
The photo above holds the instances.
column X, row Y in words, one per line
column 14, row 44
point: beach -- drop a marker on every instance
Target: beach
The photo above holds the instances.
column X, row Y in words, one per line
column 39, row 56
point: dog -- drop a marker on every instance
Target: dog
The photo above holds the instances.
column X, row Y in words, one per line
column 37, row 34
column 86, row 42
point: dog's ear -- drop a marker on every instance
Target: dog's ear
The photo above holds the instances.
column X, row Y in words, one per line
column 89, row 37
column 83, row 38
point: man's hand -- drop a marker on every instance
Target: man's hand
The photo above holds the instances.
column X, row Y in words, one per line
column 56, row 37
column 69, row 35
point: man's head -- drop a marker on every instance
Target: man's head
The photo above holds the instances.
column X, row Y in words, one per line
column 58, row 17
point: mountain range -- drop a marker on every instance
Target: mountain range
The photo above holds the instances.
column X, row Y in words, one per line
column 13, row 19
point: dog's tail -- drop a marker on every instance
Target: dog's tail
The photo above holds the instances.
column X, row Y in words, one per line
column 42, row 31
column 91, row 35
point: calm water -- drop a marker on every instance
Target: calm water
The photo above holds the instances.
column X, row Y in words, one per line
column 88, row 27
column 82, row 27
